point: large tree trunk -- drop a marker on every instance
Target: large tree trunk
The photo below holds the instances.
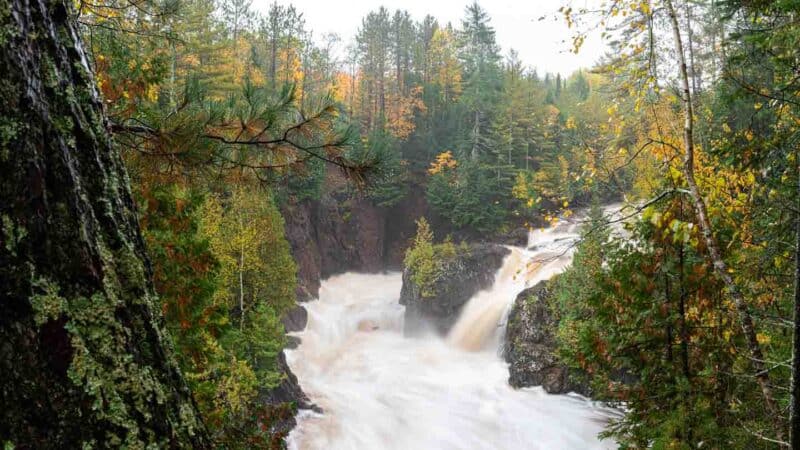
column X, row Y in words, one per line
column 719, row 264
column 795, row 406
column 273, row 63
column 84, row 358
column 476, row 135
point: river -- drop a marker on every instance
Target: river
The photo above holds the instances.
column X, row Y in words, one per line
column 381, row 390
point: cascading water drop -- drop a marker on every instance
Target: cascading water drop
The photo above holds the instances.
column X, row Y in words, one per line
column 549, row 252
column 479, row 318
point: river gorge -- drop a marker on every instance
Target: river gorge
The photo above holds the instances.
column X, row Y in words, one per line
column 379, row 389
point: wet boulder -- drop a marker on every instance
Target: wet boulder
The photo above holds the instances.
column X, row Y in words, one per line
column 295, row 319
column 471, row 269
column 518, row 237
column 530, row 345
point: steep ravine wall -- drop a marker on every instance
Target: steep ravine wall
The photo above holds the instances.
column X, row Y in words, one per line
column 345, row 231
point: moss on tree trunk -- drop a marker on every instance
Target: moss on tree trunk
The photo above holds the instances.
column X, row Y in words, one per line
column 84, row 358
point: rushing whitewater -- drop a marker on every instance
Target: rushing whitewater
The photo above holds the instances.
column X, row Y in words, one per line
column 549, row 252
column 380, row 390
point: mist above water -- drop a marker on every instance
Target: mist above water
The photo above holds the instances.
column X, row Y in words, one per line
column 381, row 390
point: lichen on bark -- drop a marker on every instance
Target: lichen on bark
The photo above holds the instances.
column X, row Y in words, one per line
column 85, row 358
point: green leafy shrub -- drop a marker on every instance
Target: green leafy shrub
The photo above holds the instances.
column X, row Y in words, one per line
column 425, row 260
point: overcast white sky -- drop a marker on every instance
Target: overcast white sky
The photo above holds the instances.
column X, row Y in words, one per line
column 541, row 44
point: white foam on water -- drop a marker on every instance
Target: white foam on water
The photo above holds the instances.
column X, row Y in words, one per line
column 380, row 390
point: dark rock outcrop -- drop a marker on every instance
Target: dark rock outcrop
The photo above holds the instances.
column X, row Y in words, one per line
column 284, row 400
column 461, row 277
column 344, row 231
column 517, row 237
column 288, row 391
column 530, row 345
column 330, row 236
column 295, row 319
column 292, row 342
column 299, row 219
column 349, row 233
column 401, row 226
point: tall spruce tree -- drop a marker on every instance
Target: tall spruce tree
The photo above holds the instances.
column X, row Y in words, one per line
column 480, row 57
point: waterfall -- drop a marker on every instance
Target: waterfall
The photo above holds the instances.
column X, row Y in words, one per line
column 479, row 318
column 380, row 390
column 549, row 251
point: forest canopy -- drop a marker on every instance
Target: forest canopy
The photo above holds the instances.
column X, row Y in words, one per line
column 187, row 131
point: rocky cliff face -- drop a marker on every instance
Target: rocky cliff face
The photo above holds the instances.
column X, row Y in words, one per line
column 333, row 235
column 350, row 233
column 299, row 223
column 283, row 401
column 460, row 278
column 400, row 226
column 295, row 319
column 530, row 345
column 344, row 231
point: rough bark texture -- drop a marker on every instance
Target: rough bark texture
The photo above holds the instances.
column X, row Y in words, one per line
column 795, row 407
column 84, row 357
column 530, row 345
column 460, row 278
column 720, row 266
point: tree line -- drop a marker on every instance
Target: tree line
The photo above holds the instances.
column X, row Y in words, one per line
column 148, row 146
